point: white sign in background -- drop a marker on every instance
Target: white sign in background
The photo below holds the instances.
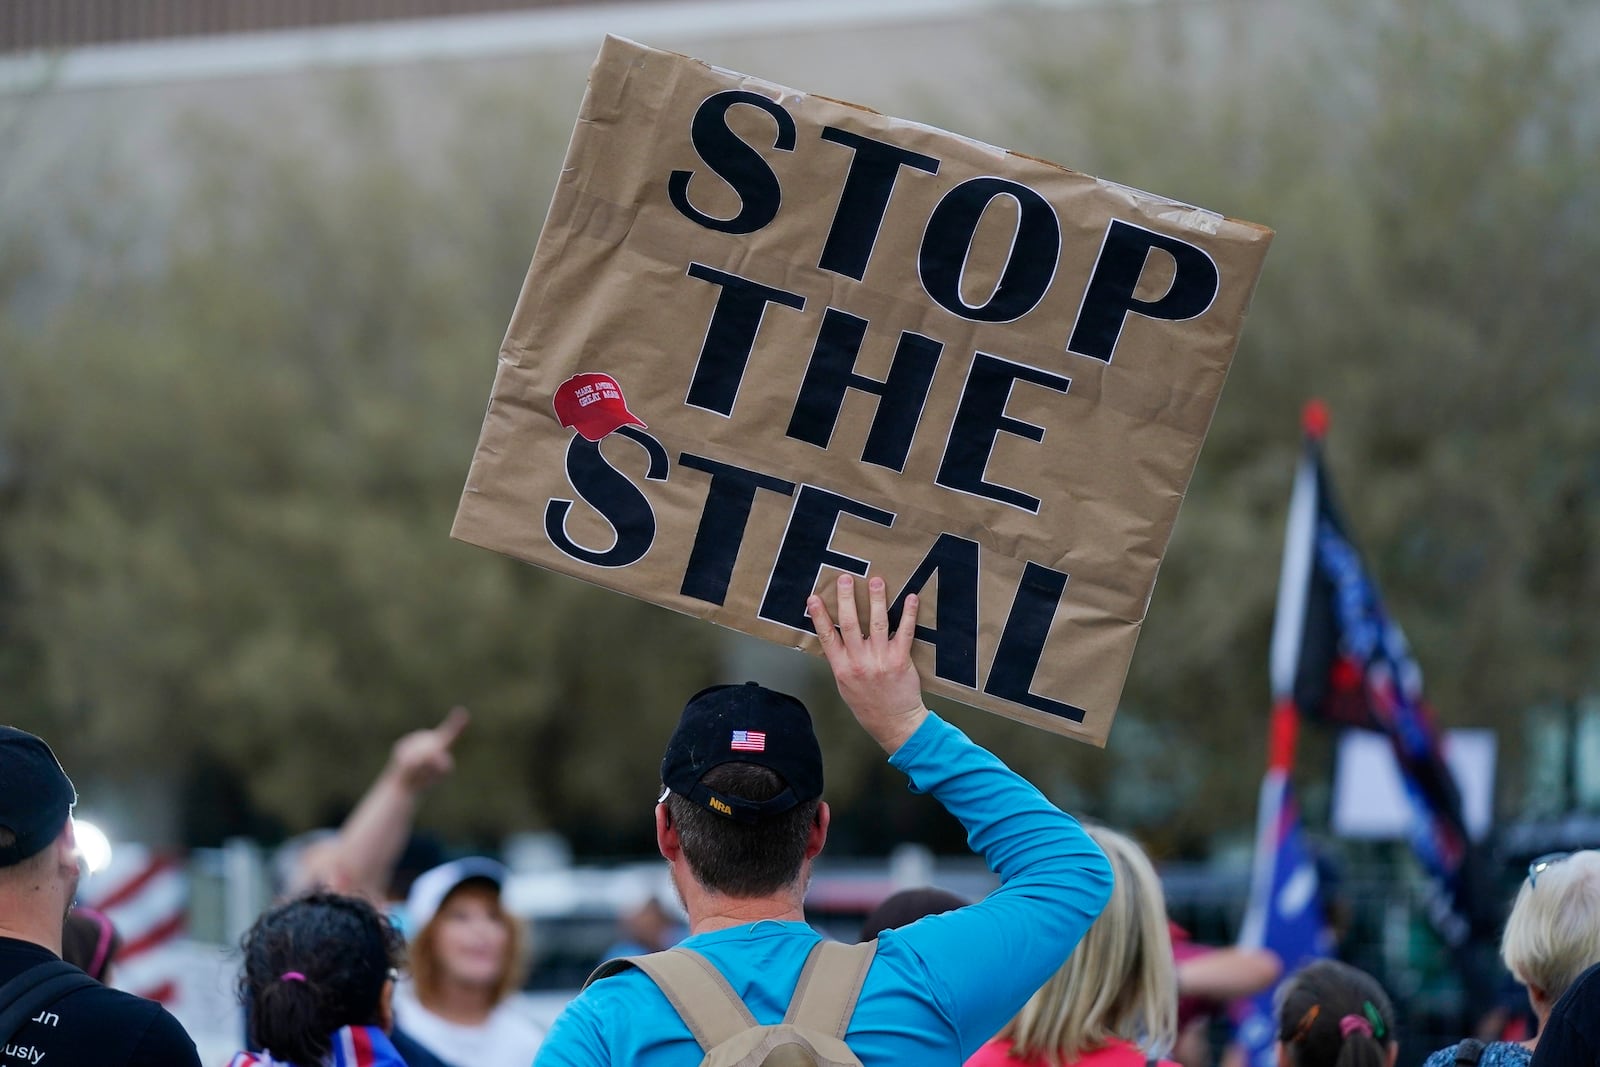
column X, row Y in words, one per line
column 1369, row 798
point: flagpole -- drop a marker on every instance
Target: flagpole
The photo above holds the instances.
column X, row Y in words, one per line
column 1299, row 540
column 1280, row 854
column 1294, row 578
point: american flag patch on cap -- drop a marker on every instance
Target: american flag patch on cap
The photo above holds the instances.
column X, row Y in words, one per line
column 749, row 741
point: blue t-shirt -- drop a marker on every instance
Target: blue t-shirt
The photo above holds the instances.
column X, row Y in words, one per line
column 938, row 988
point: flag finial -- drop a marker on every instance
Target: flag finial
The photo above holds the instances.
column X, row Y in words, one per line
column 1314, row 419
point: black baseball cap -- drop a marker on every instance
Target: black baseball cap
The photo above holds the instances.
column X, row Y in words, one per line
column 36, row 796
column 746, row 723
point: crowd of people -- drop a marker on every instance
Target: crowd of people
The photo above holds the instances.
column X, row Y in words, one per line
column 1070, row 961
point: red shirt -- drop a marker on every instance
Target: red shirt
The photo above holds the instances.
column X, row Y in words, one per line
column 1115, row 1053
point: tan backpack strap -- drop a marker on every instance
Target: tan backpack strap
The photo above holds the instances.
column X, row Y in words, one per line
column 825, row 997
column 698, row 992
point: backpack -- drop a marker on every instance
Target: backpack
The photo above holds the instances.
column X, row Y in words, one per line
column 812, row 1031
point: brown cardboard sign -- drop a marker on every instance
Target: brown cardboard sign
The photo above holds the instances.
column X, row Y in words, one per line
column 768, row 336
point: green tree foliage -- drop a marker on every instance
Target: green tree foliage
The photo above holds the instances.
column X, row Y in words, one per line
column 231, row 486
column 229, row 468
column 1429, row 170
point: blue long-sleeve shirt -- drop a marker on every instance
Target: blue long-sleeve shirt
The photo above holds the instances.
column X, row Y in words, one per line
column 939, row 987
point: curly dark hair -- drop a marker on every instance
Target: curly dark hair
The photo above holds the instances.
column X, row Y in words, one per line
column 312, row 966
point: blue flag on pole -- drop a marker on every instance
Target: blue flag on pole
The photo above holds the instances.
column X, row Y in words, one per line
column 1285, row 910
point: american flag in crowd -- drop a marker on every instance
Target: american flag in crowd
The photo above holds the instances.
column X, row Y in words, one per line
column 749, row 741
column 145, row 894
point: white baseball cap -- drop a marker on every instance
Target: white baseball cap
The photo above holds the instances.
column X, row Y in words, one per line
column 433, row 885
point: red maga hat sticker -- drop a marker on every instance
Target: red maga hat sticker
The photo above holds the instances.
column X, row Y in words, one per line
column 592, row 404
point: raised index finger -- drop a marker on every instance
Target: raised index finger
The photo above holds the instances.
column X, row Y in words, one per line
column 454, row 722
column 823, row 624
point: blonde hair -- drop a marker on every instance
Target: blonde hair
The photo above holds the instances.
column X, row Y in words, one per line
column 1120, row 982
column 1553, row 934
column 427, row 971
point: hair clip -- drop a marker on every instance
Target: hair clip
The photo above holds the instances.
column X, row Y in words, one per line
column 1371, row 1012
column 1305, row 1022
column 291, row 976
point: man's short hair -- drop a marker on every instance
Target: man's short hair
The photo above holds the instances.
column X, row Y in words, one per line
column 740, row 859
column 36, row 796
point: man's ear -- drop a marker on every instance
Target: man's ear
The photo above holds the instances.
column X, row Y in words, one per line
column 66, row 844
column 667, row 842
column 818, row 835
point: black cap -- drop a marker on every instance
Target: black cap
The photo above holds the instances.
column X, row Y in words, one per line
column 36, row 796
column 744, row 724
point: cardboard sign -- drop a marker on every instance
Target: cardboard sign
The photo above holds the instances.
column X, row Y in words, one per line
column 769, row 336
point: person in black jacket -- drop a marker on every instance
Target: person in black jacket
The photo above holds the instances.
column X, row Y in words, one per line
column 90, row 1024
column 1571, row 1036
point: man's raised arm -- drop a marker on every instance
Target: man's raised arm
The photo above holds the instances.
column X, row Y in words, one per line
column 989, row 957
